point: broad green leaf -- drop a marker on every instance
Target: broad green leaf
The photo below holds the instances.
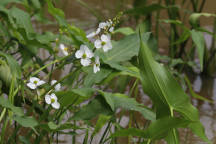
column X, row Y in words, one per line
column 163, row 89
column 124, row 49
column 96, row 107
column 6, row 104
column 199, row 41
column 95, row 78
column 125, row 30
column 74, row 96
column 23, row 19
column 117, row 100
column 26, row 121
column 157, row 129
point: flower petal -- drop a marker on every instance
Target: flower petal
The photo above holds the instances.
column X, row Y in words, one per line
column 102, row 25
column 41, row 82
column 97, row 31
column 96, row 68
column 56, row 105
column 33, row 79
column 111, row 29
column 98, row 44
column 107, row 47
column 105, row 38
column 79, row 53
column 53, row 96
column 85, row 62
column 97, row 60
column 58, row 87
column 90, row 35
column 65, row 52
column 47, row 99
column 53, row 82
column 89, row 53
column 62, row 46
column 31, row 85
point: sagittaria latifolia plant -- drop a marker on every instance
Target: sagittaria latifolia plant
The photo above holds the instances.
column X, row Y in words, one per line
column 39, row 105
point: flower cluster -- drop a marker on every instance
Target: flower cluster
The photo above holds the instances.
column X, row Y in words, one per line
column 102, row 41
column 34, row 82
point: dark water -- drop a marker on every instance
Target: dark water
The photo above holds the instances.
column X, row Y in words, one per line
column 204, row 86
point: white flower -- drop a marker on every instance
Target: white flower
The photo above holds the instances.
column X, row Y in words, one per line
column 85, row 54
column 53, row 100
column 94, row 33
column 111, row 29
column 103, row 25
column 104, row 43
column 57, row 87
column 64, row 49
column 96, row 67
column 34, row 82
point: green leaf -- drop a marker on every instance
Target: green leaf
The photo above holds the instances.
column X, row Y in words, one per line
column 117, row 100
column 96, row 107
column 199, row 41
column 124, row 30
column 163, row 89
column 95, row 78
column 23, row 19
column 124, row 49
column 157, row 129
column 26, row 121
column 74, row 96
column 6, row 104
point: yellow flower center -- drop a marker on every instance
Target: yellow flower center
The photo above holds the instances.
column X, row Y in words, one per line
column 52, row 100
column 84, row 56
column 35, row 82
column 97, row 65
column 65, row 49
column 103, row 43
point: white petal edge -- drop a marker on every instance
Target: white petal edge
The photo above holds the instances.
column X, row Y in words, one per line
column 41, row 82
column 62, row 46
column 32, row 79
column 31, row 85
column 53, row 82
column 47, row 99
column 98, row 44
column 79, row 53
column 85, row 62
column 105, row 38
column 90, row 35
column 53, row 96
column 58, row 87
column 56, row 105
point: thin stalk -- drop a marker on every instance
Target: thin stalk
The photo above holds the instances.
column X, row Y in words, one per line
column 202, row 5
column 2, row 114
column 107, row 128
column 174, row 130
